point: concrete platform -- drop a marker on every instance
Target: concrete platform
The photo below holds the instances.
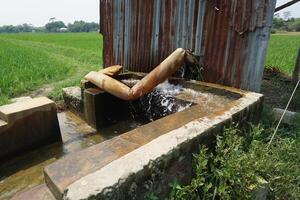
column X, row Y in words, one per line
column 65, row 171
column 27, row 124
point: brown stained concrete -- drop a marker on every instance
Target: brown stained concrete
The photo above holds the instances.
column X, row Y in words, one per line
column 26, row 171
column 65, row 171
column 30, row 123
column 96, row 102
column 40, row 192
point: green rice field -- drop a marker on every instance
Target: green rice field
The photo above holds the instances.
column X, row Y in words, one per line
column 282, row 51
column 29, row 61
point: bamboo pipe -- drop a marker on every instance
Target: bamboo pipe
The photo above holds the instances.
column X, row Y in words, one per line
column 112, row 70
column 158, row 75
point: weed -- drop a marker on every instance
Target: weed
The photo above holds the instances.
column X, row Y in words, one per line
column 240, row 159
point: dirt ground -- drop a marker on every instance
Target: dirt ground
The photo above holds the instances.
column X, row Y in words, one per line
column 277, row 88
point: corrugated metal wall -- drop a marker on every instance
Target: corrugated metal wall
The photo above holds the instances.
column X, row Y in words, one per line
column 230, row 35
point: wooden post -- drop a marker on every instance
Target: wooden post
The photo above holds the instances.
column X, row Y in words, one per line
column 295, row 76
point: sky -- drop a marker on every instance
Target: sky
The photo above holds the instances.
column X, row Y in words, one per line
column 38, row 12
column 294, row 9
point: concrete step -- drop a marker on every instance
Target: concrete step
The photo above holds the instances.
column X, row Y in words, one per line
column 20, row 109
column 27, row 124
column 62, row 173
column 40, row 192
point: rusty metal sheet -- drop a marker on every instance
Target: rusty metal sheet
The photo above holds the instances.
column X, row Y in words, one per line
column 230, row 36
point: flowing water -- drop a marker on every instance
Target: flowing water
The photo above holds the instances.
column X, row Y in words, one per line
column 26, row 171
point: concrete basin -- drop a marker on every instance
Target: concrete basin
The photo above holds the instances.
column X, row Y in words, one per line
column 152, row 154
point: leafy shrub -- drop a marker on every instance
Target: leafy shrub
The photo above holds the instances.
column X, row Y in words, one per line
column 233, row 169
column 224, row 174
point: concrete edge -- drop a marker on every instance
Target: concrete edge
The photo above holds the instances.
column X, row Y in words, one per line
column 24, row 108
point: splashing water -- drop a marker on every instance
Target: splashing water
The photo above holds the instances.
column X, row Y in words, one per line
column 168, row 98
column 160, row 102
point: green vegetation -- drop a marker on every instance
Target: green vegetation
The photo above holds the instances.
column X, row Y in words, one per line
column 282, row 51
column 240, row 160
column 28, row 61
column 286, row 24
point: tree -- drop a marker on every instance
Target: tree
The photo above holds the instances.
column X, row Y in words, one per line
column 278, row 23
column 295, row 25
column 54, row 26
column 82, row 26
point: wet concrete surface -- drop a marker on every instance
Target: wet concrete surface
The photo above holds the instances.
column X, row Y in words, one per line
column 26, row 171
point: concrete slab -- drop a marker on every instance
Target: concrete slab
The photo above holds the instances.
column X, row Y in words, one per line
column 40, row 192
column 69, row 169
column 27, row 125
column 20, row 109
column 288, row 118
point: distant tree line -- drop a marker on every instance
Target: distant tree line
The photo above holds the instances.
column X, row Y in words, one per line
column 285, row 23
column 20, row 28
column 52, row 26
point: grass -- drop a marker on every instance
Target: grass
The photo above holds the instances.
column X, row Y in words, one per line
column 282, row 51
column 28, row 61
